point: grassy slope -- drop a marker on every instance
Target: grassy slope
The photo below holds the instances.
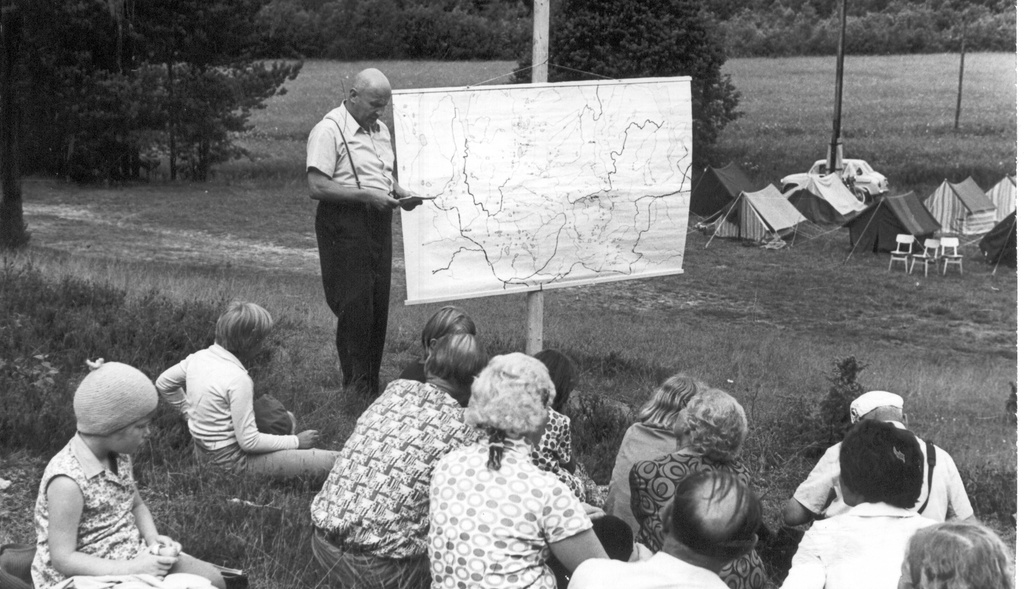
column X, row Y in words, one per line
column 762, row 324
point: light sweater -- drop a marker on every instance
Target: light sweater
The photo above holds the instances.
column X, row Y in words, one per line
column 218, row 402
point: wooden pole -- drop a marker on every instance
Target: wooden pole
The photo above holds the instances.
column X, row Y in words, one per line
column 539, row 75
column 835, row 149
column 960, row 84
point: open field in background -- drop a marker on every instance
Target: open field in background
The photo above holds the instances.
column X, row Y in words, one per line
column 764, row 325
column 898, row 114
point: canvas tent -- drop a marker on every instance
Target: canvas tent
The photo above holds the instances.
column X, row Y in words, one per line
column 962, row 208
column 717, row 188
column 1004, row 196
column 876, row 227
column 1000, row 244
column 756, row 215
column 824, row 199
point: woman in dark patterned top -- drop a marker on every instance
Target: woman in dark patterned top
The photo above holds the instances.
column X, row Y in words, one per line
column 710, row 431
column 554, row 452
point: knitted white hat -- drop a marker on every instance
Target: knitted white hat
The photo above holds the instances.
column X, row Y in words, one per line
column 111, row 397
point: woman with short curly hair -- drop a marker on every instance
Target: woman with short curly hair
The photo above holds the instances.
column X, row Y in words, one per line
column 710, row 431
column 495, row 517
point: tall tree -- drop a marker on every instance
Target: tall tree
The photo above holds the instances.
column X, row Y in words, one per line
column 13, row 233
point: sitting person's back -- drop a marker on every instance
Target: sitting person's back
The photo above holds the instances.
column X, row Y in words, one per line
column 880, row 471
column 651, row 437
column 218, row 401
column 711, row 521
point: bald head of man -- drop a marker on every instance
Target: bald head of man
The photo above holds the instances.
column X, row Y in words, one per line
column 369, row 96
column 713, row 519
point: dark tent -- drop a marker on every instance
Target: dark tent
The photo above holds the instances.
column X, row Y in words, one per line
column 717, row 188
column 876, row 228
column 1000, row 244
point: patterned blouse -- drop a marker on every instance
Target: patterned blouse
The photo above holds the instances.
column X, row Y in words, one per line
column 652, row 485
column 554, row 454
column 107, row 527
column 492, row 529
column 375, row 499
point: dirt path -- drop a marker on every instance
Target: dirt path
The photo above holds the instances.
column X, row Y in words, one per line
column 74, row 228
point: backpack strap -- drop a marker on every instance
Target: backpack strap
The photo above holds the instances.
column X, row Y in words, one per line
column 930, row 447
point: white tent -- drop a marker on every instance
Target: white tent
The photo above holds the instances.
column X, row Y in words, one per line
column 1004, row 196
column 824, row 199
column 962, row 208
column 756, row 215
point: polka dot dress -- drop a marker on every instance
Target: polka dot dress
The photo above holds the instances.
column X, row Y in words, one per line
column 492, row 528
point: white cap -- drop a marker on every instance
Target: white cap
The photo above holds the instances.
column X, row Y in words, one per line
column 872, row 400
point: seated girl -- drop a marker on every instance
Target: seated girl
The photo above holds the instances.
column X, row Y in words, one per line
column 90, row 520
column 218, row 401
column 554, row 452
column 651, row 438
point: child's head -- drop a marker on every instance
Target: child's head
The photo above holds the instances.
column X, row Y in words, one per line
column 957, row 555
column 113, row 397
column 563, row 373
column 447, row 320
column 668, row 399
column 456, row 358
column 880, row 463
column 243, row 327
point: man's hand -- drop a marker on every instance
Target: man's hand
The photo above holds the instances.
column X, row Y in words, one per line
column 410, row 202
column 380, row 200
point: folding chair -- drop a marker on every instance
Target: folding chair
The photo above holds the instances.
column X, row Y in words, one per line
column 904, row 247
column 930, row 255
column 949, row 253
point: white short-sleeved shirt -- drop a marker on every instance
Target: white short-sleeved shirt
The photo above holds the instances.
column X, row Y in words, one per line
column 492, row 528
column 372, row 154
column 860, row 549
column 947, row 499
column 661, row 571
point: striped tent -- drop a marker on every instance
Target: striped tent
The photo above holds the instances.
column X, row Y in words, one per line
column 962, row 208
column 1004, row 196
column 757, row 215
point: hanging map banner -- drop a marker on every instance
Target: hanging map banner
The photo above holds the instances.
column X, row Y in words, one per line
column 538, row 186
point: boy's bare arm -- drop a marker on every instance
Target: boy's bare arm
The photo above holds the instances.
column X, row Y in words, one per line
column 65, row 514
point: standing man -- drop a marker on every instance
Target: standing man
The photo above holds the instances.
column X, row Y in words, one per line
column 350, row 168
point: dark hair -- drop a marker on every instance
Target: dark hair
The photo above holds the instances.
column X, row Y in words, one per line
column 457, row 358
column 562, row 371
column 882, row 463
column 715, row 514
column 616, row 537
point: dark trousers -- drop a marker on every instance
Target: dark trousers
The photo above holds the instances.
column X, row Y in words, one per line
column 355, row 264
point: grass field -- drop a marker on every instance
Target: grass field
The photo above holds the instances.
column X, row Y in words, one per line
column 764, row 325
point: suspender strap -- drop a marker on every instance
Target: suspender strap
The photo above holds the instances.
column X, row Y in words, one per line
column 349, row 154
column 931, row 469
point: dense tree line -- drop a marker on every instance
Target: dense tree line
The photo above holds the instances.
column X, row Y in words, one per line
column 105, row 87
column 500, row 29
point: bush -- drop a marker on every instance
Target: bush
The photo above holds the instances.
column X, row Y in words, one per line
column 48, row 330
column 834, row 410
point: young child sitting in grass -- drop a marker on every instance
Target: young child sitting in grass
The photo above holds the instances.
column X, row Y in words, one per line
column 90, row 520
column 218, row 401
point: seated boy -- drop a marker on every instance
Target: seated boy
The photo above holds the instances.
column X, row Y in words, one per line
column 880, row 473
column 90, row 520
